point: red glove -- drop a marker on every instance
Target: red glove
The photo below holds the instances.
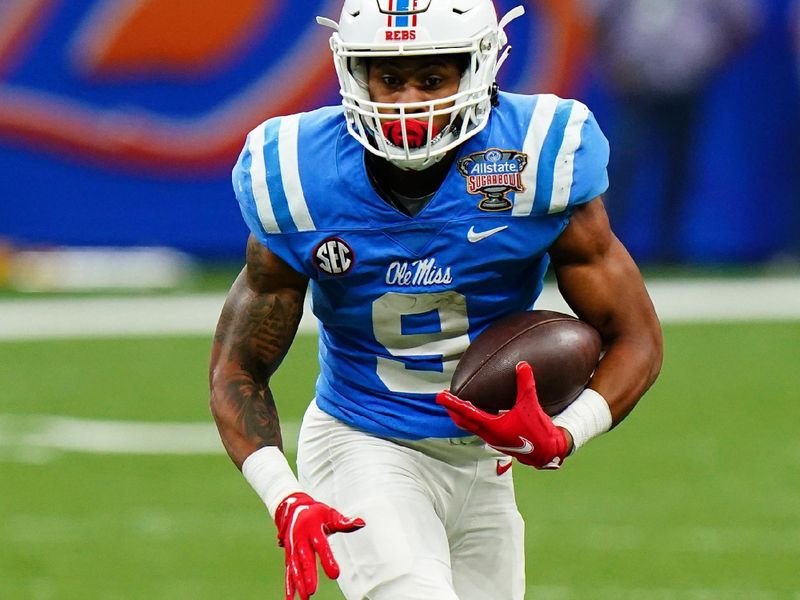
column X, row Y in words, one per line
column 524, row 432
column 303, row 528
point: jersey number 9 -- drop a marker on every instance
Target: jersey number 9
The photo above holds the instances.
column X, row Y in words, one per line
column 444, row 346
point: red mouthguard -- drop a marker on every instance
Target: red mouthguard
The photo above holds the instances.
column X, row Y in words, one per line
column 416, row 132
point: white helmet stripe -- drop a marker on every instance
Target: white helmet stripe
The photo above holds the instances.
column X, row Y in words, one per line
column 563, row 176
column 290, row 173
column 258, row 180
column 542, row 120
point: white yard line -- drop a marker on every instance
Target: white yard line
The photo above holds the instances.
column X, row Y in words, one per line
column 681, row 301
column 36, row 438
column 109, row 317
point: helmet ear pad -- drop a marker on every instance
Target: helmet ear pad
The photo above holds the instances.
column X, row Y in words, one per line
column 359, row 71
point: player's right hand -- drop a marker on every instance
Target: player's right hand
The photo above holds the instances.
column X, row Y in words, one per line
column 303, row 529
column 525, row 432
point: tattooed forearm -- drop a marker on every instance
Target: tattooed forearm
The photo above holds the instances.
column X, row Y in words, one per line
column 253, row 336
column 252, row 408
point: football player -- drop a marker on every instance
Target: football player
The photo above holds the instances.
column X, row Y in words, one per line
column 423, row 209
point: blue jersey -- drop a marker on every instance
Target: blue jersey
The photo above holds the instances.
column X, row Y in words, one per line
column 399, row 298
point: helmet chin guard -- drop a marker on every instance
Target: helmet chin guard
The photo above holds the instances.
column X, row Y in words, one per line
column 404, row 133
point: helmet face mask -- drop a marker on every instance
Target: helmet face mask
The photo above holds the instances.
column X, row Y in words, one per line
column 371, row 29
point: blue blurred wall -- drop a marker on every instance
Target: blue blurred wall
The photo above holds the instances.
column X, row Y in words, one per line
column 743, row 204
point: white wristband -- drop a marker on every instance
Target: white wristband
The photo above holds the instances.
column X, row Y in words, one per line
column 268, row 472
column 587, row 417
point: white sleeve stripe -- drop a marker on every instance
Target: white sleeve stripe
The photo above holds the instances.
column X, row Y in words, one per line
column 542, row 120
column 258, row 180
column 564, row 173
column 290, row 173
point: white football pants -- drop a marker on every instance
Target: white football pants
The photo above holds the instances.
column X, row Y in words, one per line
column 441, row 524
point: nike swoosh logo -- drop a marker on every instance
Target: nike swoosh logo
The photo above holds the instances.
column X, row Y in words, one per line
column 502, row 468
column 475, row 237
column 525, row 448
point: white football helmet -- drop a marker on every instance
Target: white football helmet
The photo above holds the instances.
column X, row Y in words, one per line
column 373, row 28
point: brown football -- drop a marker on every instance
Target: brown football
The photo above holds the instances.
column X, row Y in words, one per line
column 562, row 350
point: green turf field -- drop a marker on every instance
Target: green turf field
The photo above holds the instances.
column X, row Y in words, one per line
column 695, row 497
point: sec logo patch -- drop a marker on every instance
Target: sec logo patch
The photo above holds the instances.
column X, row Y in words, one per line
column 333, row 256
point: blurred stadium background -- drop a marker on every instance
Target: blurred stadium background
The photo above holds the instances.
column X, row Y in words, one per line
column 119, row 123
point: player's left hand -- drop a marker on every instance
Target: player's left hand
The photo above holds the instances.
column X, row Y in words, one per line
column 303, row 529
column 524, row 432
